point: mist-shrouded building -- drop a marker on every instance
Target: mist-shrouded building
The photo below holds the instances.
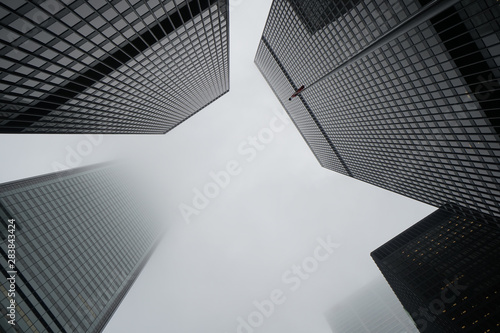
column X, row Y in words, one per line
column 118, row 66
column 80, row 240
column 419, row 115
column 446, row 273
column 372, row 309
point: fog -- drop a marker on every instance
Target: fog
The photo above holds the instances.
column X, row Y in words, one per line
column 275, row 227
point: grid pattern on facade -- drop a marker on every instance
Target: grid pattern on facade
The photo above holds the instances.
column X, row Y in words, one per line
column 282, row 84
column 419, row 116
column 121, row 66
column 83, row 241
column 316, row 14
column 447, row 264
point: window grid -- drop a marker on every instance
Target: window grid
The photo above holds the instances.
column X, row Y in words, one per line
column 78, row 48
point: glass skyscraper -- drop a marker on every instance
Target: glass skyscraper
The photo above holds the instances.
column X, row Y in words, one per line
column 418, row 115
column 117, row 66
column 80, row 240
column 372, row 309
column 446, row 273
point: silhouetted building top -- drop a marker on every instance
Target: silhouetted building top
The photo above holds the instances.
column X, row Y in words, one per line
column 77, row 241
column 120, row 66
column 446, row 273
column 316, row 14
column 417, row 116
column 372, row 309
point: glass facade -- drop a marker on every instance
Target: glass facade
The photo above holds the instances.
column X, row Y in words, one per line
column 118, row 66
column 418, row 116
column 372, row 309
column 316, row 14
column 445, row 271
column 81, row 239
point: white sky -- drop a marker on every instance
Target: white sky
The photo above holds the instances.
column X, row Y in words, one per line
column 209, row 272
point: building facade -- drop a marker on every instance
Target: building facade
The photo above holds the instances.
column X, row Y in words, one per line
column 446, row 273
column 372, row 309
column 418, row 115
column 118, row 66
column 73, row 243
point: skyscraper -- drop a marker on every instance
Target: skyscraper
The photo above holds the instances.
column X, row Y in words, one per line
column 446, row 273
column 372, row 309
column 119, row 66
column 73, row 243
column 414, row 113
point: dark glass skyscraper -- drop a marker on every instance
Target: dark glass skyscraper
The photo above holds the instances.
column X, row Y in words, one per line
column 446, row 273
column 118, row 66
column 418, row 116
column 372, row 309
column 79, row 242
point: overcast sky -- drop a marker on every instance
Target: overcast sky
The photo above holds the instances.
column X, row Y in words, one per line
column 278, row 208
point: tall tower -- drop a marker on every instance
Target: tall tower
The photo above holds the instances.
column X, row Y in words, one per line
column 446, row 273
column 118, row 66
column 73, row 243
column 400, row 94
